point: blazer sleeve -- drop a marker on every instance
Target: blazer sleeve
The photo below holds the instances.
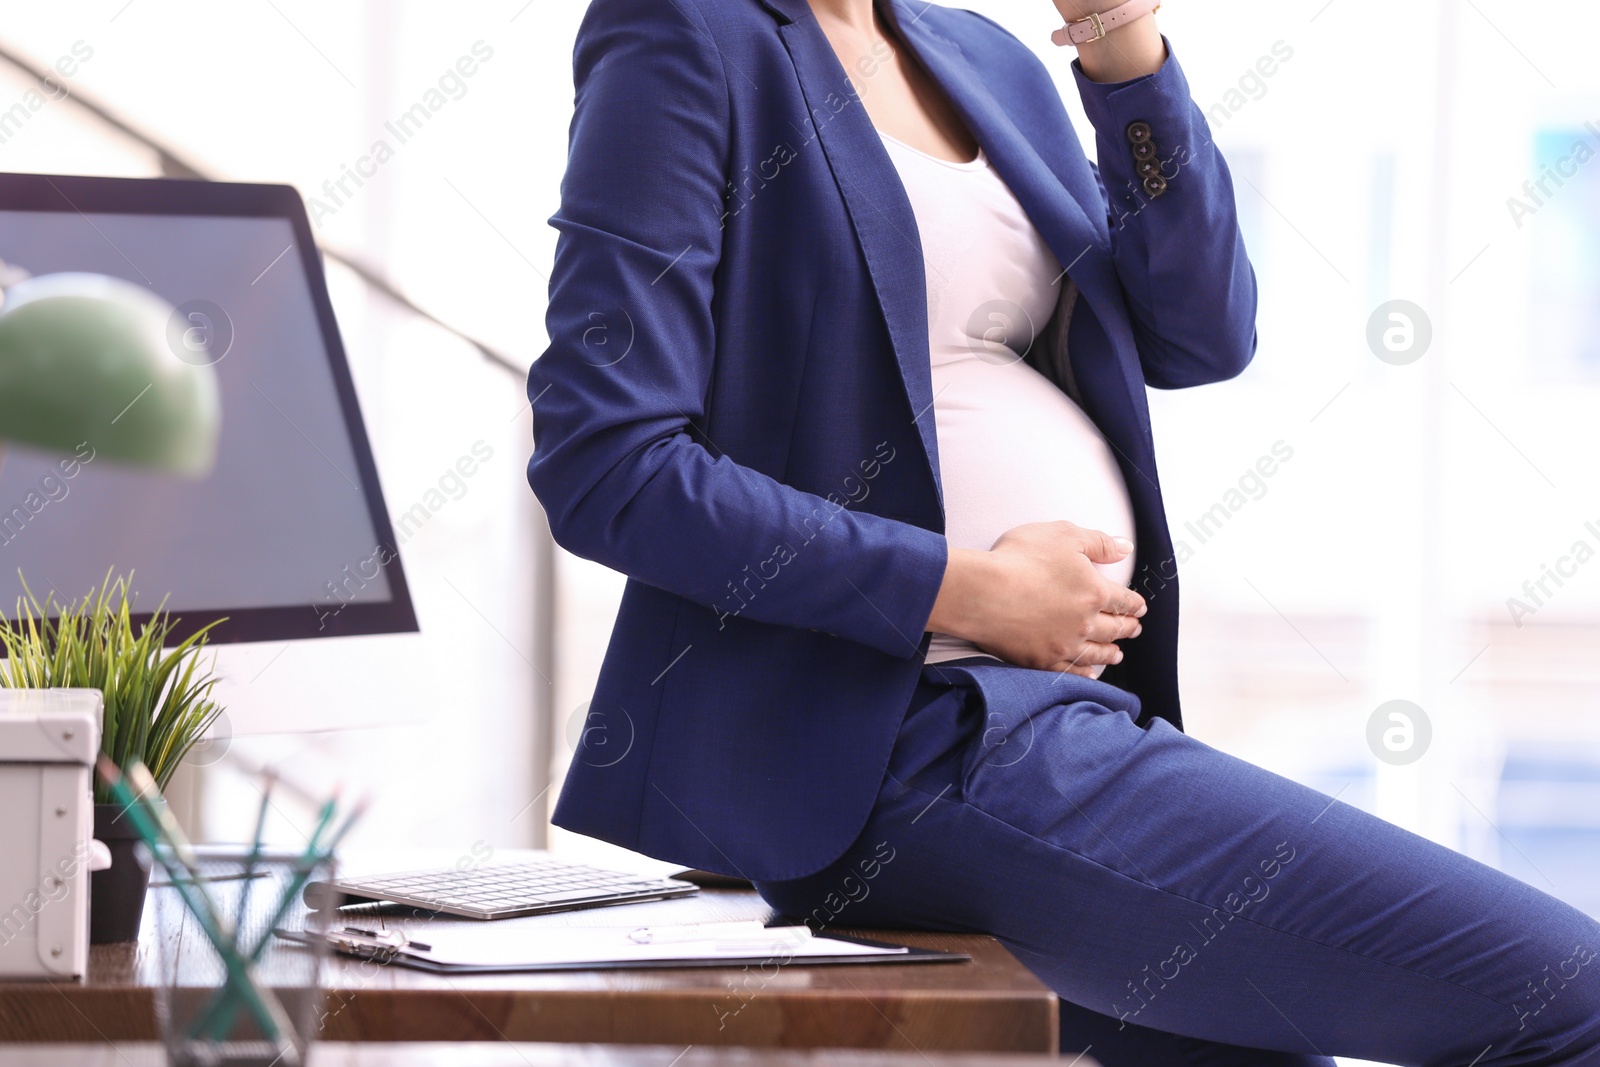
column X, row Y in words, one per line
column 1190, row 287
column 620, row 462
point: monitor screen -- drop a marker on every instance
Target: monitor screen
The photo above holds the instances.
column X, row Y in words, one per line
column 287, row 536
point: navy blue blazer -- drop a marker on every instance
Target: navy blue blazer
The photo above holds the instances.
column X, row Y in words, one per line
column 735, row 408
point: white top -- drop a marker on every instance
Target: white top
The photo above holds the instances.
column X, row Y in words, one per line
column 1013, row 448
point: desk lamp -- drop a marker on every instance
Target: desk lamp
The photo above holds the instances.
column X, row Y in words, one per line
column 86, row 358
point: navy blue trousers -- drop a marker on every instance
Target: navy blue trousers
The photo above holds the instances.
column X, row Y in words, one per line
column 1190, row 908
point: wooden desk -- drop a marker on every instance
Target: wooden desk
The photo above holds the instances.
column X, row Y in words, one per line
column 992, row 1003
column 504, row 1054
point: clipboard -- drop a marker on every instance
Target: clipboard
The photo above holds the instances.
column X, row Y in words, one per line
column 458, row 950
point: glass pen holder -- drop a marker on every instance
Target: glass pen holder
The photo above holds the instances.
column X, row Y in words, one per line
column 230, row 991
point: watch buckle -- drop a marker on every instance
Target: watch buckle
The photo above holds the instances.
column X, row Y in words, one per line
column 1094, row 21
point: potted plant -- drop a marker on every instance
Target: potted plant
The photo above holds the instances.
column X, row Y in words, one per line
column 157, row 706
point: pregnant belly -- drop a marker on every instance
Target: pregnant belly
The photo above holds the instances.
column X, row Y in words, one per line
column 1013, row 449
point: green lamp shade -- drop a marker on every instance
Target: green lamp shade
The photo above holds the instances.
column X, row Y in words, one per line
column 86, row 358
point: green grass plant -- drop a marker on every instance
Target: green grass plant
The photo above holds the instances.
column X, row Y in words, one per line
column 158, row 702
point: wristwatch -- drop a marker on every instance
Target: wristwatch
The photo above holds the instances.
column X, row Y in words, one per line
column 1082, row 31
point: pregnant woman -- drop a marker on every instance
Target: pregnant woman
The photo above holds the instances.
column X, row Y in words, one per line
column 849, row 344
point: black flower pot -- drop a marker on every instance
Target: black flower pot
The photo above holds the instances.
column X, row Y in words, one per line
column 116, row 895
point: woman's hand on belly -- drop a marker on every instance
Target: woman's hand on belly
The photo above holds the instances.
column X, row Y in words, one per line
column 1037, row 599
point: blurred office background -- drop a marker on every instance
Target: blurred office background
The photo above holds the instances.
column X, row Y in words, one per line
column 1355, row 515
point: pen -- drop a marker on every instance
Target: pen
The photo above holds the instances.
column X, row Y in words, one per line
column 255, row 855
column 220, row 1014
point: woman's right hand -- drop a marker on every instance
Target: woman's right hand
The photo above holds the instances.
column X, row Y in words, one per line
column 1037, row 599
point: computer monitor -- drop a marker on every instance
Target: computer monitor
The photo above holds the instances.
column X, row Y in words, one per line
column 287, row 537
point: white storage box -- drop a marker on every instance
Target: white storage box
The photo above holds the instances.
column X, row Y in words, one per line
column 48, row 742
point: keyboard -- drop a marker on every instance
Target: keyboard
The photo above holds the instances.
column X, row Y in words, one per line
column 502, row 890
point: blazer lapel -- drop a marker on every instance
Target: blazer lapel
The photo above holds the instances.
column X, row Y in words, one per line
column 1054, row 201
column 886, row 227
column 877, row 205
